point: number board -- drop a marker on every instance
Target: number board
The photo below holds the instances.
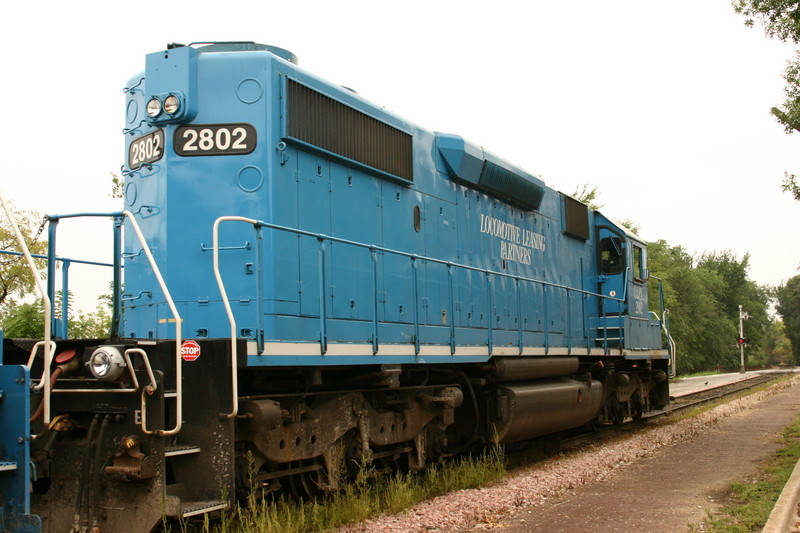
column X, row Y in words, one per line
column 214, row 139
column 146, row 149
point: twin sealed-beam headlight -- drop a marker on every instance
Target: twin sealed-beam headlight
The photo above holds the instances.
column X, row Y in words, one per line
column 107, row 363
column 170, row 106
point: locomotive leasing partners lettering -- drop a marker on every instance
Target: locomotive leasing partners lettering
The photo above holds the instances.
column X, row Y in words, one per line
column 517, row 243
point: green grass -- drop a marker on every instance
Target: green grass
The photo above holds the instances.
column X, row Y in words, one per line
column 356, row 501
column 750, row 503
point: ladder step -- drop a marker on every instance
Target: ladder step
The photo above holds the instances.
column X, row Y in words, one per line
column 173, row 451
column 197, row 508
column 6, row 466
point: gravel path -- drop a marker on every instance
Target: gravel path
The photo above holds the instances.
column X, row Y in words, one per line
column 484, row 508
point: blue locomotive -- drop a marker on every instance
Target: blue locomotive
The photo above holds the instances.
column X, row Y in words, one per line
column 312, row 283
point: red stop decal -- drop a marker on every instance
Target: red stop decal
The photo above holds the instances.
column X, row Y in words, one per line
column 190, row 350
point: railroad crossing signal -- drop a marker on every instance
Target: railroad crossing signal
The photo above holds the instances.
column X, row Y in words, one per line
column 743, row 342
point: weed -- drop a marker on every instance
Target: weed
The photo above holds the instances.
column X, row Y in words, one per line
column 367, row 495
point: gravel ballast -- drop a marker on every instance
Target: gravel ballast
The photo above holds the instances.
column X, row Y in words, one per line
column 536, row 485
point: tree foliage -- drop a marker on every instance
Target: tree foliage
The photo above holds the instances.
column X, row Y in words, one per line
column 26, row 320
column 703, row 295
column 586, row 196
column 789, row 309
column 781, row 19
column 16, row 279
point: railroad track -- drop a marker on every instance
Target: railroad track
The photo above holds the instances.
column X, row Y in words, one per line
column 712, row 394
column 525, row 453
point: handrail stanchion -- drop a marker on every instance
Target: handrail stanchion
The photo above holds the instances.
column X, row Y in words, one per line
column 174, row 310
column 48, row 311
column 228, row 310
column 374, row 257
column 323, row 300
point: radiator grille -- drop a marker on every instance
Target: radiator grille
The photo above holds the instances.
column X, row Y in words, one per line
column 510, row 186
column 322, row 122
column 576, row 218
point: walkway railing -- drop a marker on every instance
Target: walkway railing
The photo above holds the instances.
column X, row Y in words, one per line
column 414, row 262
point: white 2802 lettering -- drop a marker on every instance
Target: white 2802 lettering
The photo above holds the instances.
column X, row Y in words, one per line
column 146, row 149
column 215, row 139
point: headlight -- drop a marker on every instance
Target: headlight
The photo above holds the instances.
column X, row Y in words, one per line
column 153, row 108
column 171, row 104
column 107, row 363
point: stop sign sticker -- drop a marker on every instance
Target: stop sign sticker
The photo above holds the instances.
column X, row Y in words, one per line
column 190, row 350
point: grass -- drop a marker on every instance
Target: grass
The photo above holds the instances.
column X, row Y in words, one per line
column 361, row 499
column 750, row 503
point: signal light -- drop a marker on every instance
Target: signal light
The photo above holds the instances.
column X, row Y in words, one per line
column 743, row 341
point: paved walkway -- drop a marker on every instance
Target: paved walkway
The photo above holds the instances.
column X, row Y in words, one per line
column 673, row 488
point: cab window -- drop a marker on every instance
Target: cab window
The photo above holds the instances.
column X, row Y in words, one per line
column 611, row 257
column 638, row 262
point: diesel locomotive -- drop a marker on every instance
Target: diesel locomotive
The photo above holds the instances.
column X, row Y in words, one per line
column 305, row 283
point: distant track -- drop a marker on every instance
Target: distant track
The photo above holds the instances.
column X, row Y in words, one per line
column 522, row 454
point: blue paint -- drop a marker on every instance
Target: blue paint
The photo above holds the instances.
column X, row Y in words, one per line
column 339, row 260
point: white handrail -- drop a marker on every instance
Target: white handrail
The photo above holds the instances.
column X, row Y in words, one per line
column 673, row 348
column 48, row 354
column 231, row 319
column 174, row 310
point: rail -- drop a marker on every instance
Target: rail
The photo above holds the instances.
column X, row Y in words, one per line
column 117, row 216
column 415, row 260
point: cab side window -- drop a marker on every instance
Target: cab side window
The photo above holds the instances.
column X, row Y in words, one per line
column 638, row 263
column 612, row 261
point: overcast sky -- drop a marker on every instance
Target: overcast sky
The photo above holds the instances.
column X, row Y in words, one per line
column 664, row 107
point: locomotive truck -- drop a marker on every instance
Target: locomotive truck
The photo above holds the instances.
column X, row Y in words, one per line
column 305, row 283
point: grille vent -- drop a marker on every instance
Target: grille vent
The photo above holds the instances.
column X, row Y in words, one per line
column 322, row 122
column 576, row 218
column 510, row 186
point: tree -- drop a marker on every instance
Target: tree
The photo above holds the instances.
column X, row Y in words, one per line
column 789, row 309
column 703, row 295
column 584, row 195
column 16, row 279
column 26, row 320
column 781, row 19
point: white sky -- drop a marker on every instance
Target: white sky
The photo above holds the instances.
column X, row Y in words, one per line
column 663, row 106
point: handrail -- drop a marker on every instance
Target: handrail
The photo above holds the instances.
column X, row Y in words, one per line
column 32, row 357
column 415, row 258
column 174, row 310
column 170, row 302
column 673, row 347
column 48, row 354
column 228, row 310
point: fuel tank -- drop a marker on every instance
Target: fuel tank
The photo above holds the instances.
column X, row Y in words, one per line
column 528, row 410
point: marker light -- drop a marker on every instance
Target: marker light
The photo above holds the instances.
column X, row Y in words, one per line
column 107, row 363
column 153, row 108
column 171, row 104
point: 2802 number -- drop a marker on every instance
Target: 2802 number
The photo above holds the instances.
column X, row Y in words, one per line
column 214, row 139
column 146, row 149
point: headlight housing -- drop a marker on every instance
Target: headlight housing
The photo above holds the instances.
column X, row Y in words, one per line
column 171, row 104
column 107, row 363
column 153, row 107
